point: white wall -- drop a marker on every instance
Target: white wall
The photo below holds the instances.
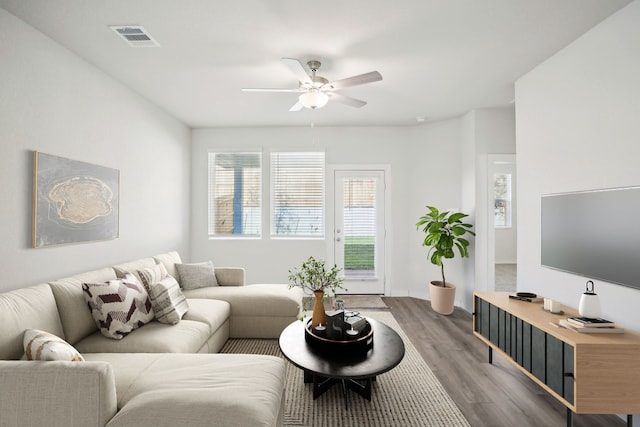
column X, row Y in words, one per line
column 577, row 129
column 53, row 102
column 425, row 169
column 436, row 180
column 493, row 132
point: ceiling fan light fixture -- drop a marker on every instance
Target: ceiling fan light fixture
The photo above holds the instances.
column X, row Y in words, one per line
column 314, row 99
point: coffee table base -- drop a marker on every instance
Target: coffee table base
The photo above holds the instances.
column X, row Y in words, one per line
column 322, row 384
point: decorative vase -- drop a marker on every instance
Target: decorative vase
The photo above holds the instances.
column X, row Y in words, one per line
column 589, row 303
column 319, row 317
column 442, row 297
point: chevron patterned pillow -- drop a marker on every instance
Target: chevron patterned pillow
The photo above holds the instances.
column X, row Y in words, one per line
column 118, row 306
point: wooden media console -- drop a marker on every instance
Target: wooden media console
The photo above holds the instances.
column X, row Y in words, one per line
column 589, row 373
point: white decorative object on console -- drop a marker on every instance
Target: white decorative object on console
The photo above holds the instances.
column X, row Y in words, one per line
column 589, row 302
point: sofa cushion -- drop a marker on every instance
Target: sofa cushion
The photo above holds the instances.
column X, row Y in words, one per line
column 169, row 260
column 133, row 267
column 118, row 306
column 40, row 345
column 254, row 300
column 169, row 304
column 32, row 307
column 76, row 318
column 225, row 390
column 211, row 312
column 197, row 275
column 187, row 336
column 257, row 311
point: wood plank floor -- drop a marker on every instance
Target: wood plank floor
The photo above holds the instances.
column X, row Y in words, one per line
column 494, row 395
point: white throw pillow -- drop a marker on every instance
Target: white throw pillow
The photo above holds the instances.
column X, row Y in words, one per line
column 40, row 345
column 197, row 275
column 151, row 275
column 118, row 306
column 169, row 303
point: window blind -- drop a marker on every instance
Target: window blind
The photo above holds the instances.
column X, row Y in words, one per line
column 235, row 188
column 297, row 194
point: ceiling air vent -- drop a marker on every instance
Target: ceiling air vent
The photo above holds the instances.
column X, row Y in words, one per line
column 135, row 35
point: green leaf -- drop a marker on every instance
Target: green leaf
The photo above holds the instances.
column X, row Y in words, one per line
column 456, row 217
column 446, row 242
column 464, row 253
column 458, row 231
column 431, row 239
column 436, row 258
column 434, row 227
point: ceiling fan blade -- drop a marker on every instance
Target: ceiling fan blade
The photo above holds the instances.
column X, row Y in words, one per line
column 347, row 100
column 361, row 79
column 296, row 107
column 297, row 69
column 248, row 89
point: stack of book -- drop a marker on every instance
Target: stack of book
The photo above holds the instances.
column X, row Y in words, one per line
column 589, row 325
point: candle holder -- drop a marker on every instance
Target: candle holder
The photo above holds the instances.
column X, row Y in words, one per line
column 320, row 330
column 349, row 344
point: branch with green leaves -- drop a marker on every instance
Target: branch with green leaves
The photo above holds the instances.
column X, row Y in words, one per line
column 444, row 231
column 313, row 276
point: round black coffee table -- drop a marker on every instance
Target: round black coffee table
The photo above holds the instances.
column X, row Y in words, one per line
column 353, row 371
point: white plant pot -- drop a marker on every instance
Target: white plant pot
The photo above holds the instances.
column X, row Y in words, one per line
column 442, row 298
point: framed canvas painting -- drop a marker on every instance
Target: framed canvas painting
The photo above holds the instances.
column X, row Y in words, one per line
column 73, row 201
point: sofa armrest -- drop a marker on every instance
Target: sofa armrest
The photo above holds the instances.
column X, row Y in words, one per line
column 230, row 276
column 58, row 394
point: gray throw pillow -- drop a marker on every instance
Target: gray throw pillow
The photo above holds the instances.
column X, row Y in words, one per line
column 197, row 275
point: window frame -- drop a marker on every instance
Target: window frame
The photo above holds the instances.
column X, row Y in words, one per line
column 272, row 195
column 211, row 207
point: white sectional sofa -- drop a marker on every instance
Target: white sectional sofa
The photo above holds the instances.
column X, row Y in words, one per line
column 152, row 376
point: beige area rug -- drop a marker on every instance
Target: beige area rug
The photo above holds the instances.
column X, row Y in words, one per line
column 408, row 395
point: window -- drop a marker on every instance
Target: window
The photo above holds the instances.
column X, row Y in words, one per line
column 235, row 189
column 502, row 200
column 359, row 226
column 297, row 194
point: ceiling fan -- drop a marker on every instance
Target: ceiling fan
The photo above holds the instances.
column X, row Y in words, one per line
column 316, row 90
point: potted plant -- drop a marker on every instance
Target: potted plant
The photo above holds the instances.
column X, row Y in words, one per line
column 444, row 231
column 313, row 276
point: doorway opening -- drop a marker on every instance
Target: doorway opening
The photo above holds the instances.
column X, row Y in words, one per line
column 358, row 227
column 502, row 217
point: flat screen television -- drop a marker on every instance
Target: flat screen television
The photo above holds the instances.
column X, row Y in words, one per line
column 595, row 234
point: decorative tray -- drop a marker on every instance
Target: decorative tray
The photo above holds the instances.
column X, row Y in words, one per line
column 360, row 343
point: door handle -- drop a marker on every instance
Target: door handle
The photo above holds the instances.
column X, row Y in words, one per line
column 337, row 239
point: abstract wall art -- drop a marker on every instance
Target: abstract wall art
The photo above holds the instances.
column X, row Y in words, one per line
column 73, row 201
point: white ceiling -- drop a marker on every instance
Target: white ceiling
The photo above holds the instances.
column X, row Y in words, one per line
column 438, row 58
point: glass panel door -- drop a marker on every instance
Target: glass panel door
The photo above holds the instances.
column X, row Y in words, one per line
column 359, row 229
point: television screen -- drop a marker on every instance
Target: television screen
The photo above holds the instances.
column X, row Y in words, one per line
column 595, row 234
